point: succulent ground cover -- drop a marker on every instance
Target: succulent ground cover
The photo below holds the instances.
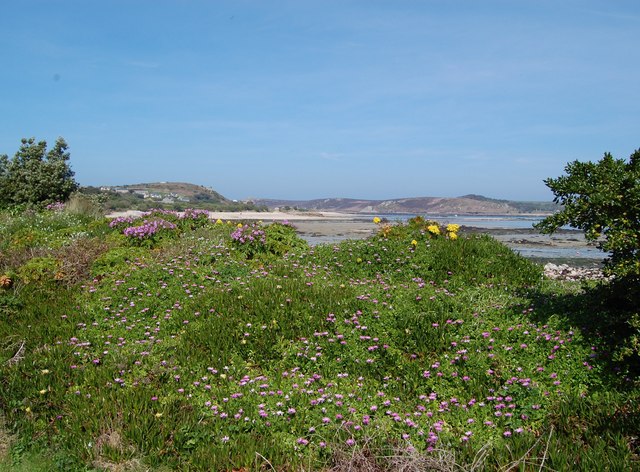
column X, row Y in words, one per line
column 182, row 343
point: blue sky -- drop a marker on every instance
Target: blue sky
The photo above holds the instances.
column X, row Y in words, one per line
column 309, row 99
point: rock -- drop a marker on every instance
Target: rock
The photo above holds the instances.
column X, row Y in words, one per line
column 566, row 272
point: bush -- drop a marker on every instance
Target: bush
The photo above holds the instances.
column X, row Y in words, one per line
column 36, row 176
column 40, row 270
column 603, row 200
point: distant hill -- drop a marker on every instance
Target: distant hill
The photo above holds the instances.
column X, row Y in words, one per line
column 466, row 205
column 168, row 195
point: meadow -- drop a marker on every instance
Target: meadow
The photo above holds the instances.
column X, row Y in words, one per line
column 174, row 342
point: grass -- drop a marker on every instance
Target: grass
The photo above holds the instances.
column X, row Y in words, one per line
column 188, row 349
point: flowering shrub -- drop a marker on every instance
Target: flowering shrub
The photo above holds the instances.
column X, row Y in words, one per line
column 250, row 239
column 148, row 228
column 246, row 234
column 149, row 232
column 121, row 221
column 434, row 229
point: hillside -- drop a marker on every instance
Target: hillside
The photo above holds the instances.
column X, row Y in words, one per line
column 466, row 205
column 167, row 195
column 179, row 190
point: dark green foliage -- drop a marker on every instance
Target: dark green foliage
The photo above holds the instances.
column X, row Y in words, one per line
column 603, row 200
column 34, row 176
column 282, row 239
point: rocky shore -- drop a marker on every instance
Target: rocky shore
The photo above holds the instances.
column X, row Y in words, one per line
column 566, row 272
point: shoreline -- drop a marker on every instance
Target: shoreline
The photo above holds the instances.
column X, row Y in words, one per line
column 566, row 246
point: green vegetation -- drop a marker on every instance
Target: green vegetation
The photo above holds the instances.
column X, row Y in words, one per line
column 34, row 176
column 173, row 342
column 603, row 200
column 524, row 207
column 168, row 196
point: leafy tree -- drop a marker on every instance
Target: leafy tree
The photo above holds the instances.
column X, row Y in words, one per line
column 35, row 176
column 603, row 199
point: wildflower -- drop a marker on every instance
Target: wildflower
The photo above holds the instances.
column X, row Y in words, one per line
column 414, row 243
column 452, row 236
column 158, row 415
column 433, row 229
column 218, row 221
column 43, row 391
column 453, row 228
column 44, row 371
column 376, row 220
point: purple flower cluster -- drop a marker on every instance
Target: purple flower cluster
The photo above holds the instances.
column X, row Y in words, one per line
column 249, row 234
column 147, row 228
column 159, row 211
column 120, row 220
column 193, row 214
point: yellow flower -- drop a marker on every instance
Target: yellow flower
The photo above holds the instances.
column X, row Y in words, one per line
column 239, row 225
column 376, row 220
column 359, row 259
column 28, row 409
column 414, row 243
column 453, row 236
column 453, row 228
column 43, row 391
column 433, row 229
column 218, row 221
column 158, row 415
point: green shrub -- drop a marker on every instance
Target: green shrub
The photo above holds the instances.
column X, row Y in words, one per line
column 40, row 270
column 603, row 200
column 282, row 239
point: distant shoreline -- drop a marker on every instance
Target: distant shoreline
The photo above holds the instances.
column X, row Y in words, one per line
column 322, row 227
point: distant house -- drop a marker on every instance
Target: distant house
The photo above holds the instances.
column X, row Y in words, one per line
column 168, row 200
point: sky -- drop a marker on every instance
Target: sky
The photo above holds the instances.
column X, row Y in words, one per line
column 310, row 99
